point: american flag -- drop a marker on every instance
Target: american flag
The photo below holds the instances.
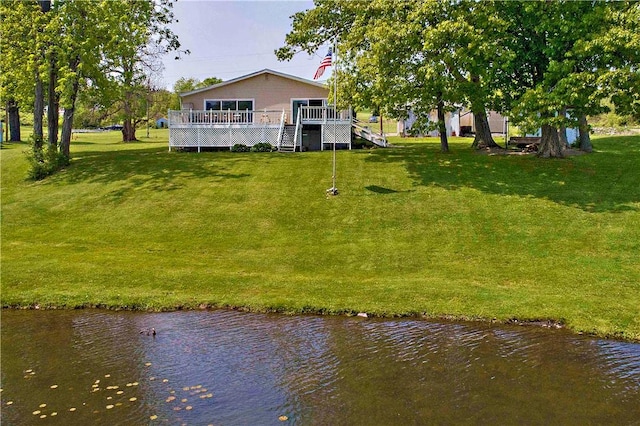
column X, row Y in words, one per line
column 326, row 62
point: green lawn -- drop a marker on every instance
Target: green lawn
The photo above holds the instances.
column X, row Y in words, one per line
column 413, row 232
column 388, row 125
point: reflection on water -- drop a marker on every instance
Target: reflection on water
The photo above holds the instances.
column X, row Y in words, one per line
column 231, row 368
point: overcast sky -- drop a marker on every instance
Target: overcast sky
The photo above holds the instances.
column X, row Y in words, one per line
column 229, row 39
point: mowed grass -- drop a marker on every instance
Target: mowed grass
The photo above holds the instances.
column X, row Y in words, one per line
column 412, row 232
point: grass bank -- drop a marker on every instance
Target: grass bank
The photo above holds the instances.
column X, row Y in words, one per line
column 413, row 232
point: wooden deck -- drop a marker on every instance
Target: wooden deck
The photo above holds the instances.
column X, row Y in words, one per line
column 224, row 129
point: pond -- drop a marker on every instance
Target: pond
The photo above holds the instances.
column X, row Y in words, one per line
column 232, row 368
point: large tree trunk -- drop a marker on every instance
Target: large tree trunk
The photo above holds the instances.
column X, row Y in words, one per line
column 14, row 120
column 483, row 138
column 583, row 134
column 562, row 130
column 53, row 103
column 38, row 113
column 442, row 128
column 67, row 121
column 550, row 145
column 38, row 104
column 128, row 131
column 128, row 127
column 67, row 128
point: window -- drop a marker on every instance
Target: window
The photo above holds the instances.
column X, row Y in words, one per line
column 245, row 105
column 232, row 105
column 242, row 110
column 214, row 105
column 228, row 104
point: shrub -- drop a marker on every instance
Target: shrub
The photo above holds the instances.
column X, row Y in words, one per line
column 45, row 161
column 262, row 147
column 239, row 147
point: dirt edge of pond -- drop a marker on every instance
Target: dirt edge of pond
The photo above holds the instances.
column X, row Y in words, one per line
column 548, row 323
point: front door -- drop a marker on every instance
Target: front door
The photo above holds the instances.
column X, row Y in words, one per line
column 311, row 137
column 296, row 104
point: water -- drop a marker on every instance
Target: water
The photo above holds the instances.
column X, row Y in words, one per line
column 232, row 368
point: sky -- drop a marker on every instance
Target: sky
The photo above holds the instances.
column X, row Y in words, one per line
column 229, row 39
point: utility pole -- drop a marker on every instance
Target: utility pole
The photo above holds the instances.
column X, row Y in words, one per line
column 147, row 115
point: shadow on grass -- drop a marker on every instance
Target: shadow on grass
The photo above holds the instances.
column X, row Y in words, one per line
column 145, row 168
column 380, row 190
column 607, row 180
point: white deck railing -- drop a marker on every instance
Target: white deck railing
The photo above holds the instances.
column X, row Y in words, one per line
column 224, row 118
column 231, row 118
column 311, row 114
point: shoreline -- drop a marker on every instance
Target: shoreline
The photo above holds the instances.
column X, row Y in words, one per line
column 547, row 323
column 414, row 233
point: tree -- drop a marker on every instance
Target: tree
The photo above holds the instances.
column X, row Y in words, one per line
column 13, row 111
column 83, row 29
column 39, row 96
column 414, row 81
column 161, row 101
column 209, row 81
column 100, row 45
column 465, row 37
column 29, row 52
column 183, row 85
column 138, row 36
column 555, row 66
column 19, row 30
column 400, row 54
column 619, row 47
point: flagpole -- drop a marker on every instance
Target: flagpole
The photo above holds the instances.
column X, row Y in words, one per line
column 334, row 189
column 335, row 117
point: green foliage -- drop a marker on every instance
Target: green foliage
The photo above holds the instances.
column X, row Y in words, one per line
column 400, row 55
column 86, row 116
column 263, row 147
column 528, row 60
column 24, row 43
column 209, row 81
column 259, row 147
column 106, row 48
column 183, row 85
column 239, row 147
column 44, row 162
column 613, row 119
column 621, row 44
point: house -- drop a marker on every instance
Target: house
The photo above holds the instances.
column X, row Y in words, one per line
column 498, row 124
column 285, row 111
column 162, row 123
column 459, row 122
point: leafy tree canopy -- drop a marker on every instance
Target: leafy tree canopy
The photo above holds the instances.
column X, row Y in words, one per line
column 530, row 60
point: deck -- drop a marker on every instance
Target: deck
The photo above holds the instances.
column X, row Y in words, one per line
column 224, row 129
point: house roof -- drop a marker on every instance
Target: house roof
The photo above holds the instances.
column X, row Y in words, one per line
column 254, row 74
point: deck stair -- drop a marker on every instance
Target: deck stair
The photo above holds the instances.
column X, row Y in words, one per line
column 360, row 129
column 288, row 140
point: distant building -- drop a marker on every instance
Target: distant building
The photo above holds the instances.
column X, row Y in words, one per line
column 459, row 122
column 162, row 123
